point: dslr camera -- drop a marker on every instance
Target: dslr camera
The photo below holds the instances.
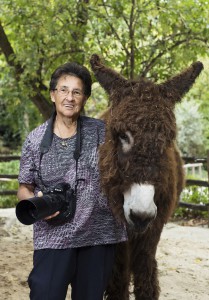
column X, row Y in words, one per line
column 60, row 198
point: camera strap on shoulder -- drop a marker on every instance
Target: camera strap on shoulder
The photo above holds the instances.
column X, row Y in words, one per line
column 47, row 141
column 48, row 135
column 77, row 152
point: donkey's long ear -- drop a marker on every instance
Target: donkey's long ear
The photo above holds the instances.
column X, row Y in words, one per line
column 108, row 78
column 176, row 87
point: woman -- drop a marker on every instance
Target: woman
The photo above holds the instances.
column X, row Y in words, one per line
column 79, row 251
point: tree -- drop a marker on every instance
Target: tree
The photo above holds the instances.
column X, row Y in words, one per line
column 150, row 38
column 190, row 135
column 45, row 35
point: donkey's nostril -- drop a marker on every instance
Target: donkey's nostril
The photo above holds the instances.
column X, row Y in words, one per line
column 141, row 222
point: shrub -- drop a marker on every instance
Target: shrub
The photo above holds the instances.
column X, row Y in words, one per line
column 9, row 168
column 194, row 195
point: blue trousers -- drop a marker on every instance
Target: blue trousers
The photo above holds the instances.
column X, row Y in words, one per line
column 87, row 269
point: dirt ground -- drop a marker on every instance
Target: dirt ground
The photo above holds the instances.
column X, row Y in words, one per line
column 183, row 260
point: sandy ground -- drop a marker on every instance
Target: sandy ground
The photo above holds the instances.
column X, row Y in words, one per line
column 183, row 259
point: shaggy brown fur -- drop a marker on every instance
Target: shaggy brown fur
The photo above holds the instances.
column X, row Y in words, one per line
column 146, row 110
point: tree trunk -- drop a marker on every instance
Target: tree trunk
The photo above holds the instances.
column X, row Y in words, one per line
column 38, row 99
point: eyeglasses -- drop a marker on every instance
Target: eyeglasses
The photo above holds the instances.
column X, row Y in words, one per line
column 64, row 91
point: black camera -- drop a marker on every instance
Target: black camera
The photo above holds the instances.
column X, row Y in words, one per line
column 61, row 198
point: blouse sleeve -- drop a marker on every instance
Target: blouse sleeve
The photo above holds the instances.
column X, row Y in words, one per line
column 101, row 132
column 26, row 172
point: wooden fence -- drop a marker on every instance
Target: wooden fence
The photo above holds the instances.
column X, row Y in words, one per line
column 196, row 162
column 7, row 177
column 189, row 162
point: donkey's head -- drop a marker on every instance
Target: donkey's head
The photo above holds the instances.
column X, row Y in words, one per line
column 136, row 160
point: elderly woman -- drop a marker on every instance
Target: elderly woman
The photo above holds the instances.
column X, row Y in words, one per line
column 79, row 250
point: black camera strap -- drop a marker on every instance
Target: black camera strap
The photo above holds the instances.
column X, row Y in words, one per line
column 47, row 141
column 48, row 135
column 77, row 152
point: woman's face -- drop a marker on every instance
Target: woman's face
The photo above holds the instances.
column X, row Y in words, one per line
column 69, row 96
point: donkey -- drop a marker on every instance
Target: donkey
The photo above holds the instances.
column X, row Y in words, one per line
column 141, row 171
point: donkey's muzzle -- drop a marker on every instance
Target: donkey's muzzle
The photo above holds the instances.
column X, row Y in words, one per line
column 140, row 222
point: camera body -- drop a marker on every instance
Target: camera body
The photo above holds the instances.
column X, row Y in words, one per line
column 60, row 198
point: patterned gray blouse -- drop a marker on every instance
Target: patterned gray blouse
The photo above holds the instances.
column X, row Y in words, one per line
column 93, row 223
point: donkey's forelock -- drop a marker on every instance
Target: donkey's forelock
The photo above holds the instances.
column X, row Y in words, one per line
column 142, row 125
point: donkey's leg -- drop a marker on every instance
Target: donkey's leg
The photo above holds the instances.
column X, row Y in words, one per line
column 118, row 287
column 145, row 273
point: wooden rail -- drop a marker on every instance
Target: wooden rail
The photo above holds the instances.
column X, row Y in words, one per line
column 192, row 182
column 189, row 182
column 193, row 168
column 7, row 158
column 4, row 158
column 8, row 176
column 9, row 192
column 201, row 207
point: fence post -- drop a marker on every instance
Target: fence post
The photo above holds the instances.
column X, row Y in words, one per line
column 208, row 182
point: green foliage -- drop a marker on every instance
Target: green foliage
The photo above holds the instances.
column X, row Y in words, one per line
column 97, row 103
column 200, row 94
column 190, row 124
column 18, row 115
column 152, row 38
column 9, row 168
column 8, row 201
column 194, row 195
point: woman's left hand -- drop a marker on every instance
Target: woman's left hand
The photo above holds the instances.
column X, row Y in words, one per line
column 52, row 216
column 40, row 194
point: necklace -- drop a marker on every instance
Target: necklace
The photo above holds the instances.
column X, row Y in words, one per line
column 64, row 141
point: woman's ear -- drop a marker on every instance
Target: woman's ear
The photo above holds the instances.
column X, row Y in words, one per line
column 52, row 96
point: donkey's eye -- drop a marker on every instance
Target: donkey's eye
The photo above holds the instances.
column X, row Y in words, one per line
column 123, row 136
column 127, row 141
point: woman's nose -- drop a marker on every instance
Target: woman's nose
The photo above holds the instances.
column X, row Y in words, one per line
column 70, row 95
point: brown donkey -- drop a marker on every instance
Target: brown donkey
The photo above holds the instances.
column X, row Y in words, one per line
column 141, row 170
